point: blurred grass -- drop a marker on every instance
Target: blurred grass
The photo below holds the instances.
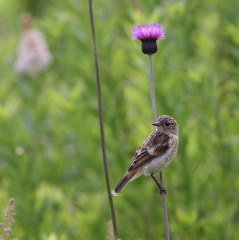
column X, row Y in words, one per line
column 50, row 156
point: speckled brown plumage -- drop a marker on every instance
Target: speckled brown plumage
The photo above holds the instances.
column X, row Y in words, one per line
column 156, row 152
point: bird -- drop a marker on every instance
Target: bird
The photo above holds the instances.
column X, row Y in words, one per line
column 155, row 154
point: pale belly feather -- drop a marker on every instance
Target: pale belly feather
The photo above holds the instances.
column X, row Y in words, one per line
column 160, row 162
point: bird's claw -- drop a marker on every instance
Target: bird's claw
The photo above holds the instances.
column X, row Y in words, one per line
column 162, row 190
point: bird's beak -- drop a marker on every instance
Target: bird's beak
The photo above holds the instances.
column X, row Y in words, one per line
column 155, row 124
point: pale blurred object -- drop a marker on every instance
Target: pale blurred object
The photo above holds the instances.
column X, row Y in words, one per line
column 33, row 54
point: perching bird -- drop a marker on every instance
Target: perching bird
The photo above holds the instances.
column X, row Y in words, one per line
column 155, row 154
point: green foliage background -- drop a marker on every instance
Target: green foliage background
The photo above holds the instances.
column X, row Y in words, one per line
column 50, row 152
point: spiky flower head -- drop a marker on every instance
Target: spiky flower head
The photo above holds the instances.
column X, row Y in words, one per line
column 148, row 34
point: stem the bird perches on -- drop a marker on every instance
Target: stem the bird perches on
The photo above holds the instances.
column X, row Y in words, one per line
column 152, row 87
column 101, row 121
column 154, row 117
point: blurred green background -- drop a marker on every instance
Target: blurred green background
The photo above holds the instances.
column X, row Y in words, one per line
column 50, row 151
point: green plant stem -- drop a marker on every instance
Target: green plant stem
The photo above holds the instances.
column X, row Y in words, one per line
column 101, row 121
column 152, row 87
column 166, row 225
column 165, row 212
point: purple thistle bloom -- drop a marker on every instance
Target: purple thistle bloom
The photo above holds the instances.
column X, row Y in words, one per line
column 148, row 34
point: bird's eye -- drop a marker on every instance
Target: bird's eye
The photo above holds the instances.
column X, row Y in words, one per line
column 167, row 124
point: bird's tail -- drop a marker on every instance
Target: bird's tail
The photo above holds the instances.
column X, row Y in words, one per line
column 124, row 181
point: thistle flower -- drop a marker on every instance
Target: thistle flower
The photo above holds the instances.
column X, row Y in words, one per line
column 33, row 53
column 148, row 35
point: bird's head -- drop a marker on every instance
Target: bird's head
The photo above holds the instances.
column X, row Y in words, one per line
column 166, row 124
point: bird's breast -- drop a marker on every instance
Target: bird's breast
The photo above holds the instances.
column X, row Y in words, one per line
column 162, row 161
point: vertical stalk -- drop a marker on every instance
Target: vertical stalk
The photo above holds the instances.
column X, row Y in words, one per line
column 151, row 71
column 165, row 212
column 154, row 117
column 101, row 121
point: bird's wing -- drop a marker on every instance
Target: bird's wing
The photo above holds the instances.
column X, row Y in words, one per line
column 156, row 144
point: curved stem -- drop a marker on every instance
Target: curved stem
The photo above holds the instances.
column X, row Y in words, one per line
column 166, row 225
column 102, row 122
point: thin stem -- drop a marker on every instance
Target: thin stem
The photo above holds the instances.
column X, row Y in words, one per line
column 151, row 72
column 101, row 121
column 164, row 208
column 161, row 174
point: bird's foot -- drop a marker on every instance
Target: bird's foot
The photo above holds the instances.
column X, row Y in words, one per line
column 162, row 190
